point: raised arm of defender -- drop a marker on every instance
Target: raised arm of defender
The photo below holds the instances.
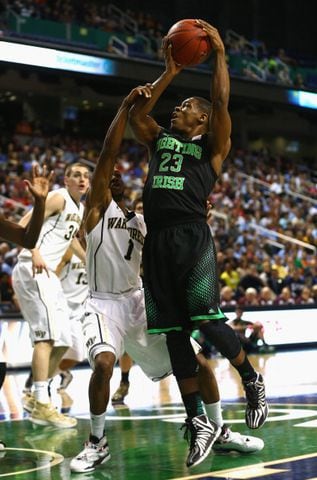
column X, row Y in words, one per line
column 144, row 126
column 99, row 195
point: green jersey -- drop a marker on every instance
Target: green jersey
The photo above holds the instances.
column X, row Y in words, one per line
column 179, row 181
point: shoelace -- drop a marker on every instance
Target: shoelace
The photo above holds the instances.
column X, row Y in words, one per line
column 85, row 454
column 189, row 433
column 225, row 433
column 252, row 394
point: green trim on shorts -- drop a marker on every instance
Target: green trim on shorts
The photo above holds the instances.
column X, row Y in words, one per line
column 164, row 330
column 210, row 316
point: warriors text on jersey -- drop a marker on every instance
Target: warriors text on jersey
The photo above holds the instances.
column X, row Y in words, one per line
column 114, row 248
column 57, row 232
column 74, row 281
column 179, row 181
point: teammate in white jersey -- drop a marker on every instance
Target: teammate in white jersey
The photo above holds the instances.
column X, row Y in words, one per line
column 39, row 291
column 72, row 273
column 73, row 276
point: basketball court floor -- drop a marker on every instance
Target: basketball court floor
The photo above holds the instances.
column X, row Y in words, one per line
column 145, row 439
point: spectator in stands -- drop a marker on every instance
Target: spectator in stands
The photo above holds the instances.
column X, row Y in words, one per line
column 250, row 298
column 6, row 290
column 282, row 269
column 275, row 282
column 295, row 281
column 249, row 333
column 230, row 276
column 305, row 297
column 298, row 81
column 227, row 297
column 285, row 297
column 283, row 58
column 267, row 296
column 314, row 293
column 251, row 279
column 283, row 76
column 265, row 271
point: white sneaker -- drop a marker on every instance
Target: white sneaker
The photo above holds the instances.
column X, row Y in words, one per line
column 234, row 441
column 2, row 449
column 94, row 453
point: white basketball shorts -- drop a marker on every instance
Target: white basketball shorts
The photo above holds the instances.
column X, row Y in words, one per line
column 43, row 304
column 116, row 325
column 77, row 349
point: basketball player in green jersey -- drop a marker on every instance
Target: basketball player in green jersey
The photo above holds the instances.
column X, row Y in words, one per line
column 179, row 257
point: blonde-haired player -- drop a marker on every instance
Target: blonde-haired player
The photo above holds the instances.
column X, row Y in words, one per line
column 39, row 291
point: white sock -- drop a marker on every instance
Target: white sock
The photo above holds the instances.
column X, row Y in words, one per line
column 97, row 424
column 41, row 392
column 214, row 412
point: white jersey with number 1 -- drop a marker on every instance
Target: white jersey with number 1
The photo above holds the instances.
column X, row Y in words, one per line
column 114, row 249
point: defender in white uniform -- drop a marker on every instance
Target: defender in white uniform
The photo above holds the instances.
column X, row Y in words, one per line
column 39, row 291
column 115, row 314
column 115, row 310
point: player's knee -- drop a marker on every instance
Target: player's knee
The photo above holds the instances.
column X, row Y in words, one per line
column 223, row 337
column 104, row 364
column 183, row 358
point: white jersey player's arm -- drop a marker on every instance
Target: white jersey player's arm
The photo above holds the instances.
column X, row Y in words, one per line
column 78, row 250
column 38, row 262
column 64, row 261
column 99, row 196
column 55, row 203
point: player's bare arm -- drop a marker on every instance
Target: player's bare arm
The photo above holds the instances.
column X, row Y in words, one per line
column 77, row 249
column 99, row 195
column 38, row 263
column 64, row 261
column 220, row 122
column 27, row 234
column 144, row 126
column 54, row 204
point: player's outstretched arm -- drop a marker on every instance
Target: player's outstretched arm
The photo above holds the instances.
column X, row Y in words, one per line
column 99, row 194
column 144, row 126
column 26, row 235
column 220, row 122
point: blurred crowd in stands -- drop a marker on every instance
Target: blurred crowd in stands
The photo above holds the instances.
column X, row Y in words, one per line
column 248, row 58
column 264, row 215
